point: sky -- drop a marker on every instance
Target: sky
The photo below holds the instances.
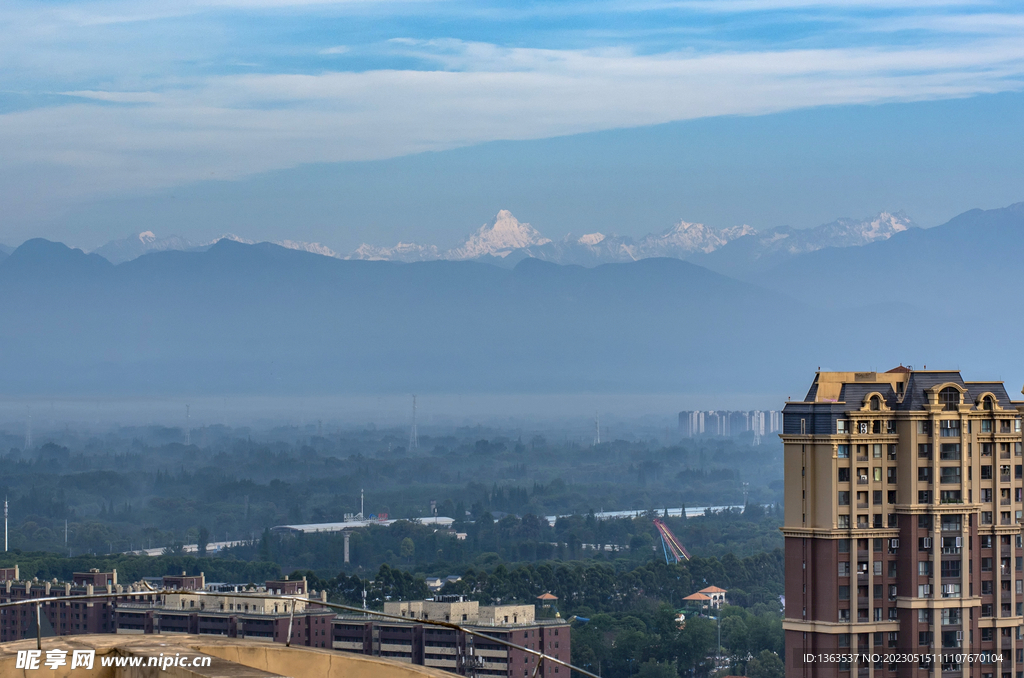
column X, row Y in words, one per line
column 374, row 121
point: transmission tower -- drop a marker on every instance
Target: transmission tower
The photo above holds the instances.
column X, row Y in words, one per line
column 188, row 430
column 414, row 440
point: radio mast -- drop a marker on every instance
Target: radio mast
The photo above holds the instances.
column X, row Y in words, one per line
column 414, row 440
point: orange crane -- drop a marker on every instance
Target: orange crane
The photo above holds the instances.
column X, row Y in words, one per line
column 670, row 544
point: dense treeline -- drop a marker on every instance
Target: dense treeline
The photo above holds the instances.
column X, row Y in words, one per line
column 132, row 488
column 46, row 566
column 516, row 539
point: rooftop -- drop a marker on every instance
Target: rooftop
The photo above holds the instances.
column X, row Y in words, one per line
column 227, row 657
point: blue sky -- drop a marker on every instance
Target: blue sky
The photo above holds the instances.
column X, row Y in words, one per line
column 109, row 109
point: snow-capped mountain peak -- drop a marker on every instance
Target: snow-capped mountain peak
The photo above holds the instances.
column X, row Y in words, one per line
column 498, row 238
column 591, row 238
column 689, row 238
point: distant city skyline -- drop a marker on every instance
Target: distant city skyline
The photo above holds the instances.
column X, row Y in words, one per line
column 376, row 122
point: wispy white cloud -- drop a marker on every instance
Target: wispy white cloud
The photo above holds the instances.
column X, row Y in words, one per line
column 186, row 116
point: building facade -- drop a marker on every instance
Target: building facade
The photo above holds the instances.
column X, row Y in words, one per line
column 903, row 496
column 455, row 651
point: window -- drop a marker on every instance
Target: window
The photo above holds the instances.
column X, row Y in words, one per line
column 877, row 473
column 950, row 568
column 986, row 541
column 924, row 474
column 949, row 428
column 844, row 593
column 986, row 495
column 842, row 426
column 891, row 452
column 924, row 497
column 892, row 569
column 987, row 634
column 844, row 475
column 876, row 497
column 986, row 588
column 924, row 616
column 890, row 496
column 949, row 398
column 949, row 474
column 844, row 615
column 924, row 428
column 875, row 403
column 924, row 590
column 951, row 617
column 924, row 637
column 986, row 518
column 890, row 475
column 877, row 568
column 844, row 568
column 950, row 452
column 844, row 522
column 844, row 498
column 924, row 568
column 844, row 546
column 950, row 523
column 986, row 472
column 951, row 590
column 924, row 522
column 986, row 564
column 843, row 451
column 844, row 640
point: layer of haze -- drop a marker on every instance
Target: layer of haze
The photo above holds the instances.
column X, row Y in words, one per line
column 931, row 159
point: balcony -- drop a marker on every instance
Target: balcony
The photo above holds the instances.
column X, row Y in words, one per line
column 862, row 480
column 862, row 524
column 862, row 504
column 1004, row 455
column 1006, row 521
column 1004, row 478
column 1005, row 501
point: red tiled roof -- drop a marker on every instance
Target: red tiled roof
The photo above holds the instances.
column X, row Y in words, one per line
column 712, row 589
column 697, row 596
column 547, row 596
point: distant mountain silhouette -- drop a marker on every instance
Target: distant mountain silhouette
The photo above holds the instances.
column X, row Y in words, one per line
column 241, row 318
column 971, row 262
column 263, row 319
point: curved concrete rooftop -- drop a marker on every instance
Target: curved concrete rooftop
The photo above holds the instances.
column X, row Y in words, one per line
column 228, row 658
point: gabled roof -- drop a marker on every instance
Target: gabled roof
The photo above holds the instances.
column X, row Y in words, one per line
column 697, row 596
column 712, row 589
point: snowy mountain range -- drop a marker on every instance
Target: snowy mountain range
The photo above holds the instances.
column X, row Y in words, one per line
column 505, row 241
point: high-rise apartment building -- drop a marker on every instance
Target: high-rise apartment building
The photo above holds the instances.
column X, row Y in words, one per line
column 903, row 526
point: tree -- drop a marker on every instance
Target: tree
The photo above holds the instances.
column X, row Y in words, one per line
column 766, row 665
column 655, row 669
column 408, row 549
column 203, row 540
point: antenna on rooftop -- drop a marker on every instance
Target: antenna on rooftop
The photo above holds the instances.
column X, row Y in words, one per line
column 414, row 440
column 5, row 524
column 597, row 429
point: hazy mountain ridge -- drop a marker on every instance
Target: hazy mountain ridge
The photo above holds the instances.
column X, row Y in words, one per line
column 260, row 318
column 134, row 246
column 506, row 241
